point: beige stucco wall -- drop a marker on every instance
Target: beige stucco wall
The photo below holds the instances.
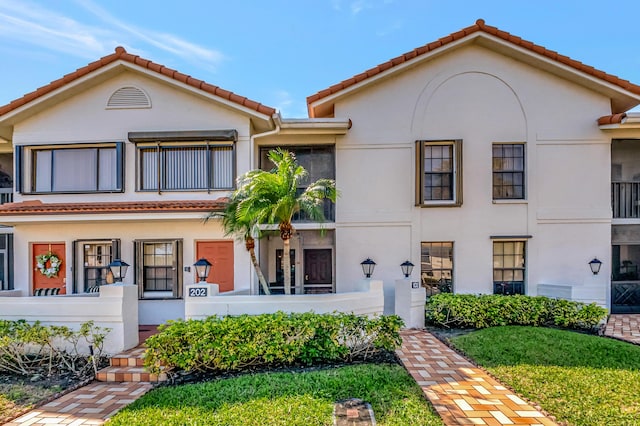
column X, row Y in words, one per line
column 481, row 97
column 84, row 118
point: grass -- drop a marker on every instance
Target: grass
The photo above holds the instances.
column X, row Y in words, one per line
column 581, row 379
column 17, row 397
column 303, row 398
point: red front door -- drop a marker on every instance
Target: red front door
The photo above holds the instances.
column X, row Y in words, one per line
column 39, row 279
column 220, row 255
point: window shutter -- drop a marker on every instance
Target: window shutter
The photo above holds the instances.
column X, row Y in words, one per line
column 18, row 178
column 74, row 266
column 419, row 173
column 120, row 166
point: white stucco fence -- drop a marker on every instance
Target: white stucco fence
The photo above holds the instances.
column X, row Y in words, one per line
column 203, row 300
column 115, row 307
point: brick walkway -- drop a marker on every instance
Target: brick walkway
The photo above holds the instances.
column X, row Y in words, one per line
column 89, row 405
column 624, row 327
column 461, row 393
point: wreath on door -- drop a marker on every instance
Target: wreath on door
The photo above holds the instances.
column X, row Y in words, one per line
column 53, row 262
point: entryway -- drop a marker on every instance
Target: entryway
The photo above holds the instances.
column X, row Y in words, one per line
column 40, row 279
column 220, row 255
column 318, row 271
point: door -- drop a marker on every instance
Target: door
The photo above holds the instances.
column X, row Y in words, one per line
column 220, row 255
column 40, row 280
column 318, row 267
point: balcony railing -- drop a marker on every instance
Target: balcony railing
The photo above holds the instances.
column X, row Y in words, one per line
column 6, row 195
column 625, row 200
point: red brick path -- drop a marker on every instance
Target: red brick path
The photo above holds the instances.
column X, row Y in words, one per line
column 461, row 393
column 624, row 327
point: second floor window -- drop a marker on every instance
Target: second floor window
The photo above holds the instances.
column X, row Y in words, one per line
column 185, row 168
column 508, row 171
column 68, row 169
column 439, row 181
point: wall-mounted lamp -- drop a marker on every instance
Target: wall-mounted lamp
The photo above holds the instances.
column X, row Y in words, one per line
column 407, row 268
column 595, row 265
column 118, row 270
column 368, row 266
column 202, row 269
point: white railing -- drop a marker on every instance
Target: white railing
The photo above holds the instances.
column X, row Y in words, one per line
column 203, row 300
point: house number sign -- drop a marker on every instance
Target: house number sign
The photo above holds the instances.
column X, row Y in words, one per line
column 198, row 292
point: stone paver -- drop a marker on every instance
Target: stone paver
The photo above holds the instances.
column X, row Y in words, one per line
column 461, row 393
column 624, row 327
column 89, row 405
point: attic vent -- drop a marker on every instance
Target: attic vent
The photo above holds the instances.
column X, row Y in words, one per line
column 128, row 97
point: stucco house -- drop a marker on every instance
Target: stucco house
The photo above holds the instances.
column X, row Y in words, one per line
column 493, row 164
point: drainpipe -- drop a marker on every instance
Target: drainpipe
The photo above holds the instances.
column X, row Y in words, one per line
column 252, row 145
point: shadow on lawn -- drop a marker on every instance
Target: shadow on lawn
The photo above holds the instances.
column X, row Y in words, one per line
column 517, row 345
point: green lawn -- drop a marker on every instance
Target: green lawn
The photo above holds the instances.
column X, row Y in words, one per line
column 581, row 379
column 304, row 398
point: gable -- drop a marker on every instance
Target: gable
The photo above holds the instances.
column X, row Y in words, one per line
column 475, row 89
column 91, row 114
column 623, row 94
column 113, row 64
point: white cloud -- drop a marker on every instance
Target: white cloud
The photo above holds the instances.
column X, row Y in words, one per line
column 27, row 22
column 287, row 106
column 167, row 42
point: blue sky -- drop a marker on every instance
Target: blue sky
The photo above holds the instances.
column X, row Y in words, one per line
column 279, row 52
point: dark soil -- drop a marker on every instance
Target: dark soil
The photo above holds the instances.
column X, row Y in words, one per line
column 182, row 377
column 19, row 393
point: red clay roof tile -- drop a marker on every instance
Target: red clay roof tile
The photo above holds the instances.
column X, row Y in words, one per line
column 37, row 207
column 478, row 26
column 122, row 54
column 612, row 119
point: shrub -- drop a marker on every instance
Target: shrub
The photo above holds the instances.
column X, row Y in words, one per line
column 233, row 343
column 481, row 311
column 28, row 349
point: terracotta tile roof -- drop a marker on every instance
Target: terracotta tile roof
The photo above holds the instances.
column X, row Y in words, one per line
column 38, row 207
column 478, row 26
column 122, row 54
column 612, row 119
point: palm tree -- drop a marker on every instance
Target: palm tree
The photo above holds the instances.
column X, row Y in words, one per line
column 244, row 230
column 273, row 198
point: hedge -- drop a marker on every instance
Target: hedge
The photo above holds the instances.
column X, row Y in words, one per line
column 233, row 343
column 481, row 311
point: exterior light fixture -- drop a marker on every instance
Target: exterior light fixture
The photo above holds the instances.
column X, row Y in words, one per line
column 407, row 268
column 368, row 266
column 118, row 269
column 202, row 269
column 595, row 265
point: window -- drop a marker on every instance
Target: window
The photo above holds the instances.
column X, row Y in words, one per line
column 91, row 259
column 97, row 257
column 508, row 171
column 186, row 168
column 436, row 267
column 508, row 267
column 318, row 161
column 82, row 169
column 439, row 179
column 157, row 266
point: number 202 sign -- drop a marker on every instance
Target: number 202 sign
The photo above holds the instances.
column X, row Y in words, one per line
column 198, row 292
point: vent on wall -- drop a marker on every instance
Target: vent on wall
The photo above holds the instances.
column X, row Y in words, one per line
column 128, row 97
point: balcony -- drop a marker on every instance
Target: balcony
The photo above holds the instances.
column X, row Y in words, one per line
column 6, row 195
column 625, row 200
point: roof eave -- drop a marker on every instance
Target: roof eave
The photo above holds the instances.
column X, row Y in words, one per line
column 104, row 73
column 315, row 126
column 621, row 99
